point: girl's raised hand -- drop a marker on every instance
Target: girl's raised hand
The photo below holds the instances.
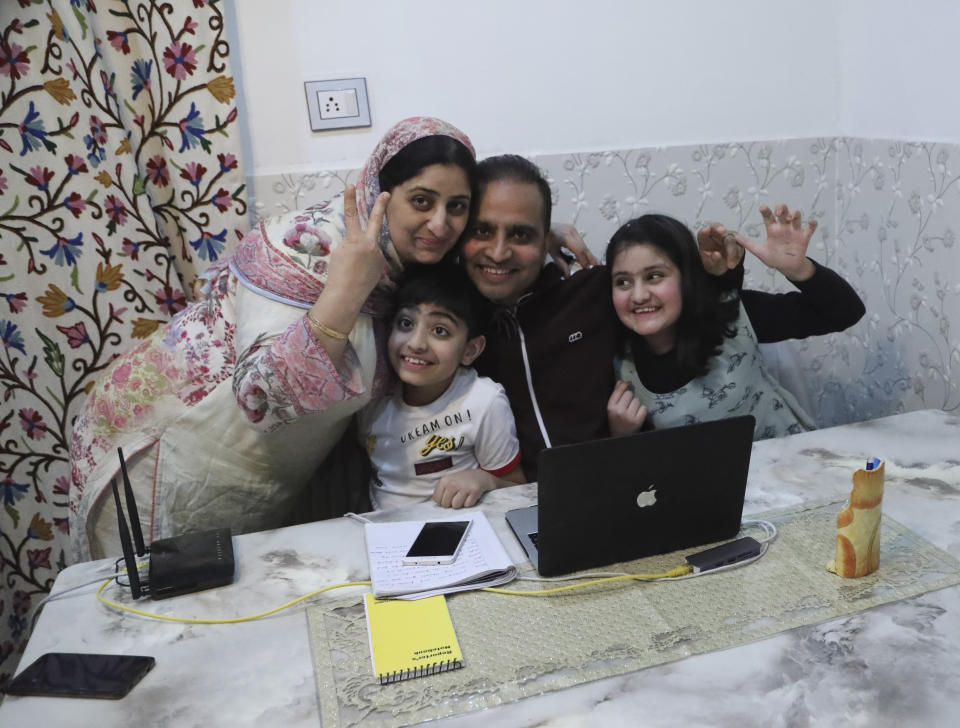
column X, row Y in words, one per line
column 720, row 249
column 785, row 248
column 625, row 413
column 563, row 236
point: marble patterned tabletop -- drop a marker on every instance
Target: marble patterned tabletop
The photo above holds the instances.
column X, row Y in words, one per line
column 894, row 665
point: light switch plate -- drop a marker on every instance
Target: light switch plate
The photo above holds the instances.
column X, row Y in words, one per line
column 338, row 103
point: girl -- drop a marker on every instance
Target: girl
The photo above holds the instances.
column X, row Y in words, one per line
column 690, row 348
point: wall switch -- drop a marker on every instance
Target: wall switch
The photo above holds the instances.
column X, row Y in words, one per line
column 338, row 103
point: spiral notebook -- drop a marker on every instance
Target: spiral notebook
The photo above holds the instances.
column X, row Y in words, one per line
column 410, row 638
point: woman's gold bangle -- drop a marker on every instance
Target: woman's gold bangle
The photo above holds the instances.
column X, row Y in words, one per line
column 324, row 329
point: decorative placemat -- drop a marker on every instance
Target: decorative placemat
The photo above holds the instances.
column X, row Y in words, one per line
column 515, row 647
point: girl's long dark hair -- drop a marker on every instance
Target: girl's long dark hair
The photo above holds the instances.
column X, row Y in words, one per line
column 706, row 316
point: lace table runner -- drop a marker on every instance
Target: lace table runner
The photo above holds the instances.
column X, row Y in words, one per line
column 516, row 647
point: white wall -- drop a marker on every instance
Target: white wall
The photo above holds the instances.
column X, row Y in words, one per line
column 898, row 66
column 540, row 76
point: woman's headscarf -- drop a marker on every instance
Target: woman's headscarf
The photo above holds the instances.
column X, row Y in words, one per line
column 285, row 257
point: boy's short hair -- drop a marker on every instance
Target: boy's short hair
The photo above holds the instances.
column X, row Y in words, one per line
column 448, row 285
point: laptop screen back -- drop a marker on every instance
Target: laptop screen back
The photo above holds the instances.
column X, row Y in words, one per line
column 623, row 498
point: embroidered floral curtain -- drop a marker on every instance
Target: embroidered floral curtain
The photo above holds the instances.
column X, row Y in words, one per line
column 120, row 181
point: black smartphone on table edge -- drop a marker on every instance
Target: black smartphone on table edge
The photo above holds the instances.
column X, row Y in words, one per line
column 80, row 675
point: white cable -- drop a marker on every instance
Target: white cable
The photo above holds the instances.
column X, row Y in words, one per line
column 111, row 568
column 770, row 533
column 103, row 569
column 769, row 529
column 63, row 592
column 726, row 567
column 355, row 517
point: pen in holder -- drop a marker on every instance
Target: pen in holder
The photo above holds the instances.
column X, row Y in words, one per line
column 858, row 525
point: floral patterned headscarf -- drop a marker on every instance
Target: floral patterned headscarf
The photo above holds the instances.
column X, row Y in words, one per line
column 400, row 135
column 285, row 257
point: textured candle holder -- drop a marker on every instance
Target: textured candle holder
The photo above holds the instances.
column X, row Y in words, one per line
column 858, row 525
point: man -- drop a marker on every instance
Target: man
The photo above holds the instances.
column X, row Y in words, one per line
column 554, row 338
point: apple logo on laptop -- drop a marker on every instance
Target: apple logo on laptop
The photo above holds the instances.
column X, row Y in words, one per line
column 647, row 497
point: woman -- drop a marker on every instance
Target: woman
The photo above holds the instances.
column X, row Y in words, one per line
column 226, row 411
column 690, row 349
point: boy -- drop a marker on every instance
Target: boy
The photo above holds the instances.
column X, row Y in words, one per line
column 445, row 433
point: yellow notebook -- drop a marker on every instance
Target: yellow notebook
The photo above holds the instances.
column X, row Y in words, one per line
column 411, row 638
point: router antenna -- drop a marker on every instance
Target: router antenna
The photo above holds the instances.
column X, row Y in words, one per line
column 132, row 507
column 128, row 558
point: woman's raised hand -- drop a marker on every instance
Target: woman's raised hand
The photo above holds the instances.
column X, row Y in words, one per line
column 785, row 248
column 357, row 263
column 355, row 268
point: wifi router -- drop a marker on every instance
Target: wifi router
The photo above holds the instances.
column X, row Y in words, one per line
column 179, row 565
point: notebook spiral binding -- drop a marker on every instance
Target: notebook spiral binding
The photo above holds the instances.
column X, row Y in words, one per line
column 432, row 669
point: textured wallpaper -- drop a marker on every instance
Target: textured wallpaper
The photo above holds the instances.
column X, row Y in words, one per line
column 888, row 213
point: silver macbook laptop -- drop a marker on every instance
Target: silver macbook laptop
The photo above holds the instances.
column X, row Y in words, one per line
column 622, row 498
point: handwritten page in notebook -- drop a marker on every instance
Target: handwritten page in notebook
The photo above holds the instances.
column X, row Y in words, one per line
column 482, row 560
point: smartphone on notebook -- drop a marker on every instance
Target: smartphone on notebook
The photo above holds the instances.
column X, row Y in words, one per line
column 80, row 675
column 438, row 542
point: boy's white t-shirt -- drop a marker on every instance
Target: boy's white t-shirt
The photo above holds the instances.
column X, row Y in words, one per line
column 412, row 448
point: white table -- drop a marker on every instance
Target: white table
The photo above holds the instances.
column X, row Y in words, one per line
column 896, row 665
